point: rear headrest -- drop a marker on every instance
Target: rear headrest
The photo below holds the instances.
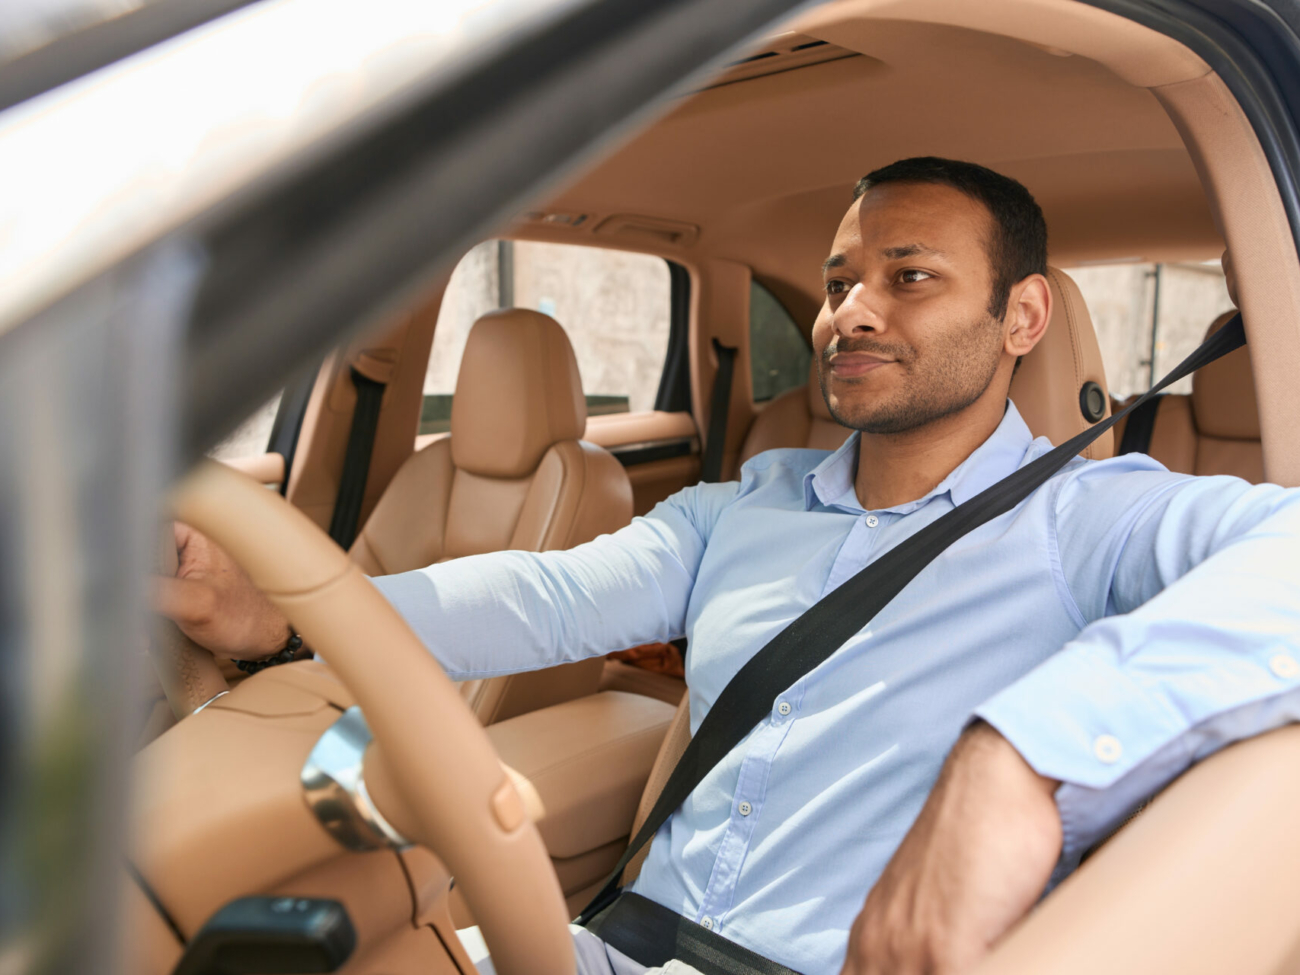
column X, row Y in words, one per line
column 1223, row 393
column 1049, row 387
column 518, row 392
column 816, row 401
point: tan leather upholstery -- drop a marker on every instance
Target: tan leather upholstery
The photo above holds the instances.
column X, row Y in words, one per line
column 518, row 392
column 670, row 750
column 512, row 475
column 1045, row 389
column 796, row 418
column 586, row 761
column 1215, row 430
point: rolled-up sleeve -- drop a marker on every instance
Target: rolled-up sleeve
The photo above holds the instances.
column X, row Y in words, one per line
column 506, row 612
column 1190, row 592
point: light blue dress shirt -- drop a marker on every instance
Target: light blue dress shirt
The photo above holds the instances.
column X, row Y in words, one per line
column 1118, row 625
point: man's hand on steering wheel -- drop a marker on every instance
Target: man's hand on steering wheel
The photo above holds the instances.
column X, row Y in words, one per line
column 215, row 604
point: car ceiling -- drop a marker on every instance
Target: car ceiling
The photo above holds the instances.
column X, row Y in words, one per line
column 764, row 166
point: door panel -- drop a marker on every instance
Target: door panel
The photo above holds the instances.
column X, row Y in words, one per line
column 660, row 451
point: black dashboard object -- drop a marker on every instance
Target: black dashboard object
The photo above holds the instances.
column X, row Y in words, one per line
column 271, row 936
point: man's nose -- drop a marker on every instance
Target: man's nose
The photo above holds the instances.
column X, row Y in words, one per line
column 857, row 313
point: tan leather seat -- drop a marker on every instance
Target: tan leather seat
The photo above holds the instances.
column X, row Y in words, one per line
column 514, row 474
column 1046, row 389
column 1215, row 430
column 797, row 418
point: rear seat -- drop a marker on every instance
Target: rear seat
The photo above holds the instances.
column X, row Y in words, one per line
column 1215, row 430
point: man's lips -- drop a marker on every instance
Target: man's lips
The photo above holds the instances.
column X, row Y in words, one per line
column 849, row 365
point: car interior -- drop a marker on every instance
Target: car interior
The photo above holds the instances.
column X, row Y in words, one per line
column 1135, row 149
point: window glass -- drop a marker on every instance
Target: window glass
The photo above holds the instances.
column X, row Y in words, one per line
column 1141, row 309
column 614, row 305
column 779, row 356
column 251, row 437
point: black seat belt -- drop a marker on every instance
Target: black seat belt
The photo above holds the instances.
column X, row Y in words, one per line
column 1141, row 424
column 654, row 935
column 719, row 405
column 828, row 624
column 356, row 460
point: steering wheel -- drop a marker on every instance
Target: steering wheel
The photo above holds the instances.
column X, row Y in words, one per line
column 431, row 769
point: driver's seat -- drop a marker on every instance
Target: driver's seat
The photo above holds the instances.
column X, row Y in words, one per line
column 1050, row 389
column 514, row 474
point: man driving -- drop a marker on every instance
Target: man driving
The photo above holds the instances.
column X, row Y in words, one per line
column 1002, row 714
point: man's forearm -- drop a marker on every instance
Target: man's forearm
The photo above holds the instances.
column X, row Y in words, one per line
column 1215, row 657
column 976, row 859
column 506, row 612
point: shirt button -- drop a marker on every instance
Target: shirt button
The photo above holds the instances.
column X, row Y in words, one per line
column 872, row 521
column 1284, row 665
column 746, row 809
column 784, row 708
column 1107, row 749
column 706, row 923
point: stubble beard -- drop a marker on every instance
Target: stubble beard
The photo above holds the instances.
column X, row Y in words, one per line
column 947, row 380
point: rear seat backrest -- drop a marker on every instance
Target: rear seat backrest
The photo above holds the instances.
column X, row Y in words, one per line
column 797, row 418
column 513, row 475
column 1046, row 389
column 1215, row 430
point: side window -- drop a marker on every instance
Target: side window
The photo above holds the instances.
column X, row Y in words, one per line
column 614, row 305
column 779, row 355
column 1148, row 317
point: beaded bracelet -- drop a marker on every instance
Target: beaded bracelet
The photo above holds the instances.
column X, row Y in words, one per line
column 289, row 652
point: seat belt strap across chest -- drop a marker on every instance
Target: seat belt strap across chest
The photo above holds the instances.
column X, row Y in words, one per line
column 812, row 638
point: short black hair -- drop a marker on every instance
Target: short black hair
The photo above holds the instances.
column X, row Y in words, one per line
column 1018, row 247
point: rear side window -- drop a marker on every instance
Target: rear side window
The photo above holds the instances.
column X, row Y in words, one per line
column 614, row 305
column 1149, row 317
column 779, row 355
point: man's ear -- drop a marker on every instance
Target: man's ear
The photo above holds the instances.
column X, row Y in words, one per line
column 1029, row 309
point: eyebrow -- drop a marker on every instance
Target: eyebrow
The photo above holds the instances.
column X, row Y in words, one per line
column 909, row 250
column 889, row 253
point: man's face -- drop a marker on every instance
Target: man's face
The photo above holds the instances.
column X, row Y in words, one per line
column 905, row 336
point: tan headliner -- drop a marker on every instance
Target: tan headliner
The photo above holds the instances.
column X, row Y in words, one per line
column 764, row 167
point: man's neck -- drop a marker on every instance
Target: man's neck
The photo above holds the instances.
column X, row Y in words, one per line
column 896, row 468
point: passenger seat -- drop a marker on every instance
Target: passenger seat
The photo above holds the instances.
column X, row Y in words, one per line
column 514, row 474
column 1215, row 430
column 1050, row 388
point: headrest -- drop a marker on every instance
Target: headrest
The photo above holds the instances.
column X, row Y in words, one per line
column 1223, row 393
column 1049, row 387
column 816, row 401
column 518, row 392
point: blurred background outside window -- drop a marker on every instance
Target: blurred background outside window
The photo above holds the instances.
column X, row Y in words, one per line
column 614, row 305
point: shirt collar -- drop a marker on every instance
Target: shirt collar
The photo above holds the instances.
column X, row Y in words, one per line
column 832, row 481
